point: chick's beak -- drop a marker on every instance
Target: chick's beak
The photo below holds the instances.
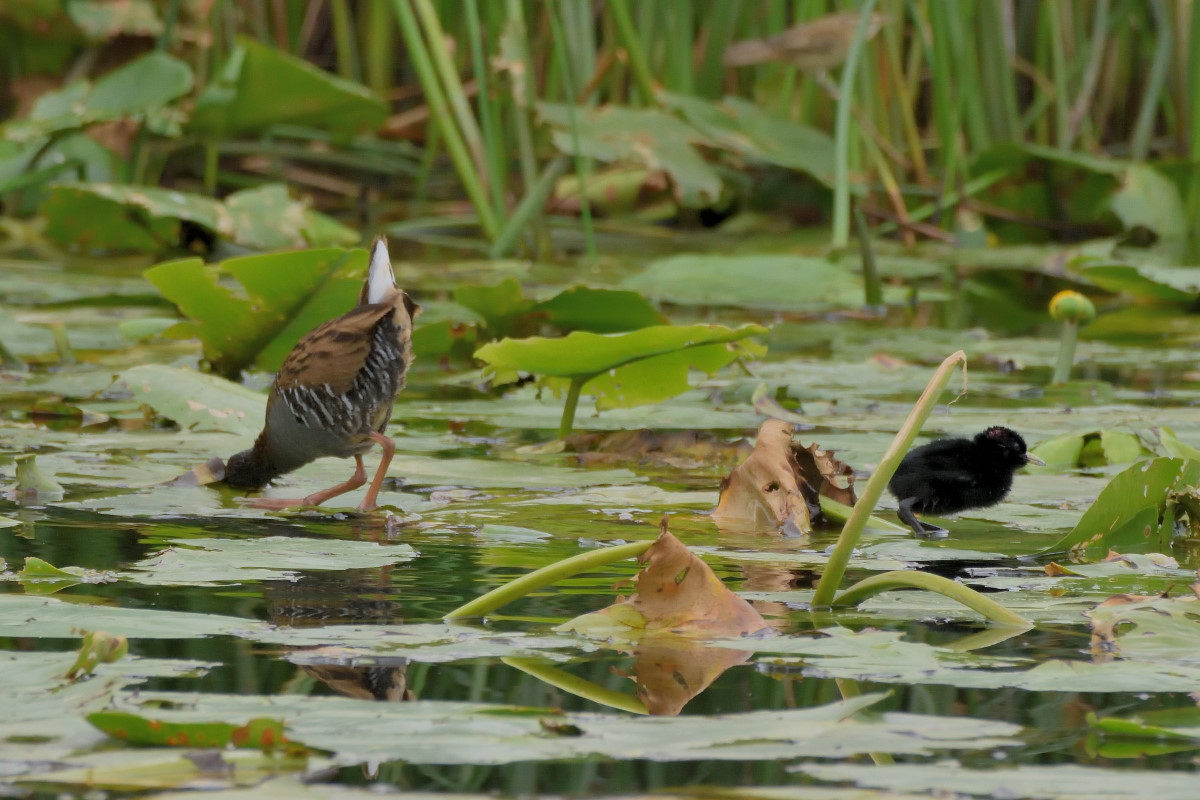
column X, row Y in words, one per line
column 1032, row 459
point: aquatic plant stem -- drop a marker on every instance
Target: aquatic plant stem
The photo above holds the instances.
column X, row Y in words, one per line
column 568, row 415
column 835, row 569
column 439, row 107
column 913, row 579
column 529, row 209
column 580, row 687
column 841, row 186
column 1066, row 352
column 633, row 47
column 560, row 570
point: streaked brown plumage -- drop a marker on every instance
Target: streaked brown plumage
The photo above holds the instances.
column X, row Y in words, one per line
column 818, row 44
column 334, row 392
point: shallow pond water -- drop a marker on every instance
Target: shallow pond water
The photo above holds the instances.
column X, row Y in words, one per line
column 333, row 621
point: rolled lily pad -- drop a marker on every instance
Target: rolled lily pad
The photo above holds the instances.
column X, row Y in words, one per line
column 284, row 296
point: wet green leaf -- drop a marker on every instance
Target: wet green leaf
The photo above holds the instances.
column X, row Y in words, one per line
column 1127, row 515
column 585, row 354
column 143, row 84
column 246, row 97
column 1094, row 448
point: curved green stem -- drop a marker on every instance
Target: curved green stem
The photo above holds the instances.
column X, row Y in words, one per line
column 580, row 687
column 911, row 579
column 568, row 416
column 557, row 571
column 852, row 530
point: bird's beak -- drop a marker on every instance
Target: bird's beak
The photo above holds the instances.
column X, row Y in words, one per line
column 1032, row 459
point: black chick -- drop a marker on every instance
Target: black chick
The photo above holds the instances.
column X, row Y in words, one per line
column 951, row 475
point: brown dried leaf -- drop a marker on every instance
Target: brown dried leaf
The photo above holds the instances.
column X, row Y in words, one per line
column 677, row 593
column 765, row 491
column 831, row 477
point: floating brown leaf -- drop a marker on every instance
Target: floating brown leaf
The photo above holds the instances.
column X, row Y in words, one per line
column 765, row 491
column 675, row 593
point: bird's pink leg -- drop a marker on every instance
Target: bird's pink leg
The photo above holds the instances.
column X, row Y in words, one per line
column 389, row 449
column 316, row 498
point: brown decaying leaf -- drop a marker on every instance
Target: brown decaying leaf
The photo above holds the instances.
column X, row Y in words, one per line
column 677, row 592
column 778, row 487
column 763, row 492
column 831, row 477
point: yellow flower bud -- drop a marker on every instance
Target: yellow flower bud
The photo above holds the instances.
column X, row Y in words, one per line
column 1071, row 306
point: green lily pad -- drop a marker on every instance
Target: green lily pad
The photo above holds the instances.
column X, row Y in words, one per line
column 621, row 370
column 493, row 734
column 742, row 127
column 751, row 281
column 246, row 98
column 650, row 137
column 199, row 562
column 1128, row 513
column 1144, row 281
column 195, row 401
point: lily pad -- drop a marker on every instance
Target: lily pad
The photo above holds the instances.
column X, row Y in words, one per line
column 283, row 296
column 246, row 98
column 195, row 401
column 751, row 281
